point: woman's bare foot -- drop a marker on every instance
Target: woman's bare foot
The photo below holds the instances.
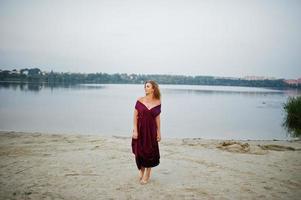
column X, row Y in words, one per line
column 144, row 180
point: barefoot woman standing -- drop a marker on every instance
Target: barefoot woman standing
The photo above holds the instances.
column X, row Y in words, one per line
column 146, row 131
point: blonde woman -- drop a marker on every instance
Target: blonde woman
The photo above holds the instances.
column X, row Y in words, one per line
column 146, row 131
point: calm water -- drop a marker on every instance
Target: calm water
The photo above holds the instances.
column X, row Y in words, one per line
column 218, row 112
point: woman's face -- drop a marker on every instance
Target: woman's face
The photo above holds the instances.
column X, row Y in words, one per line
column 148, row 88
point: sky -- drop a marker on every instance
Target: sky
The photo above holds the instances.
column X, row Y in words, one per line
column 228, row 38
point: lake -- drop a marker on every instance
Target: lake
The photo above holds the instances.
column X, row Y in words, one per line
column 188, row 111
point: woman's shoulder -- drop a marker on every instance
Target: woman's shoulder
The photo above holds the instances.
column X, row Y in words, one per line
column 158, row 102
column 140, row 99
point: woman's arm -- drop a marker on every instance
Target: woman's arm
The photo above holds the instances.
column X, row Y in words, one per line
column 135, row 130
column 158, row 122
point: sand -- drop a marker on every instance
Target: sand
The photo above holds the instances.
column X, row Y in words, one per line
column 65, row 166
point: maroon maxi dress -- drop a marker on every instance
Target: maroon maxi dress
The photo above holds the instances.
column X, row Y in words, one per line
column 146, row 147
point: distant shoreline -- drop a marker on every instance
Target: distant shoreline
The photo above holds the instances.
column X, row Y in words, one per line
column 37, row 75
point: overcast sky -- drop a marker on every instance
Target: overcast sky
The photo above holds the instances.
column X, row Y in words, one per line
column 190, row 37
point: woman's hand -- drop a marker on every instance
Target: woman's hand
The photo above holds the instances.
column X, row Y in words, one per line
column 158, row 136
column 135, row 134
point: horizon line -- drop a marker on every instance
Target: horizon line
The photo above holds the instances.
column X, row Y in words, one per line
column 257, row 76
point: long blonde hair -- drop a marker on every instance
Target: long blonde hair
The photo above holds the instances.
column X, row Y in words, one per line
column 155, row 86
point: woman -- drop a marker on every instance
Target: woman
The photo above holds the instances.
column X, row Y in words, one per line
column 146, row 131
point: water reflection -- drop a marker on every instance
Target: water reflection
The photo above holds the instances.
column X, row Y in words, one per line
column 36, row 87
column 232, row 92
column 167, row 89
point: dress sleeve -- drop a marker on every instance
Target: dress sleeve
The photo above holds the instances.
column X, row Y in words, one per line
column 136, row 105
column 157, row 111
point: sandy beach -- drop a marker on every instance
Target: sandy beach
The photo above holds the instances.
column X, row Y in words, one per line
column 65, row 166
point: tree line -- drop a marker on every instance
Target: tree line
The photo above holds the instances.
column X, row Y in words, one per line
column 35, row 75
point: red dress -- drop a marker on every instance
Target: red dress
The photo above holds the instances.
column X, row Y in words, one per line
column 146, row 147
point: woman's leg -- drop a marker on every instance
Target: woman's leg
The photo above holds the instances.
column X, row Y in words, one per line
column 141, row 172
column 146, row 176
